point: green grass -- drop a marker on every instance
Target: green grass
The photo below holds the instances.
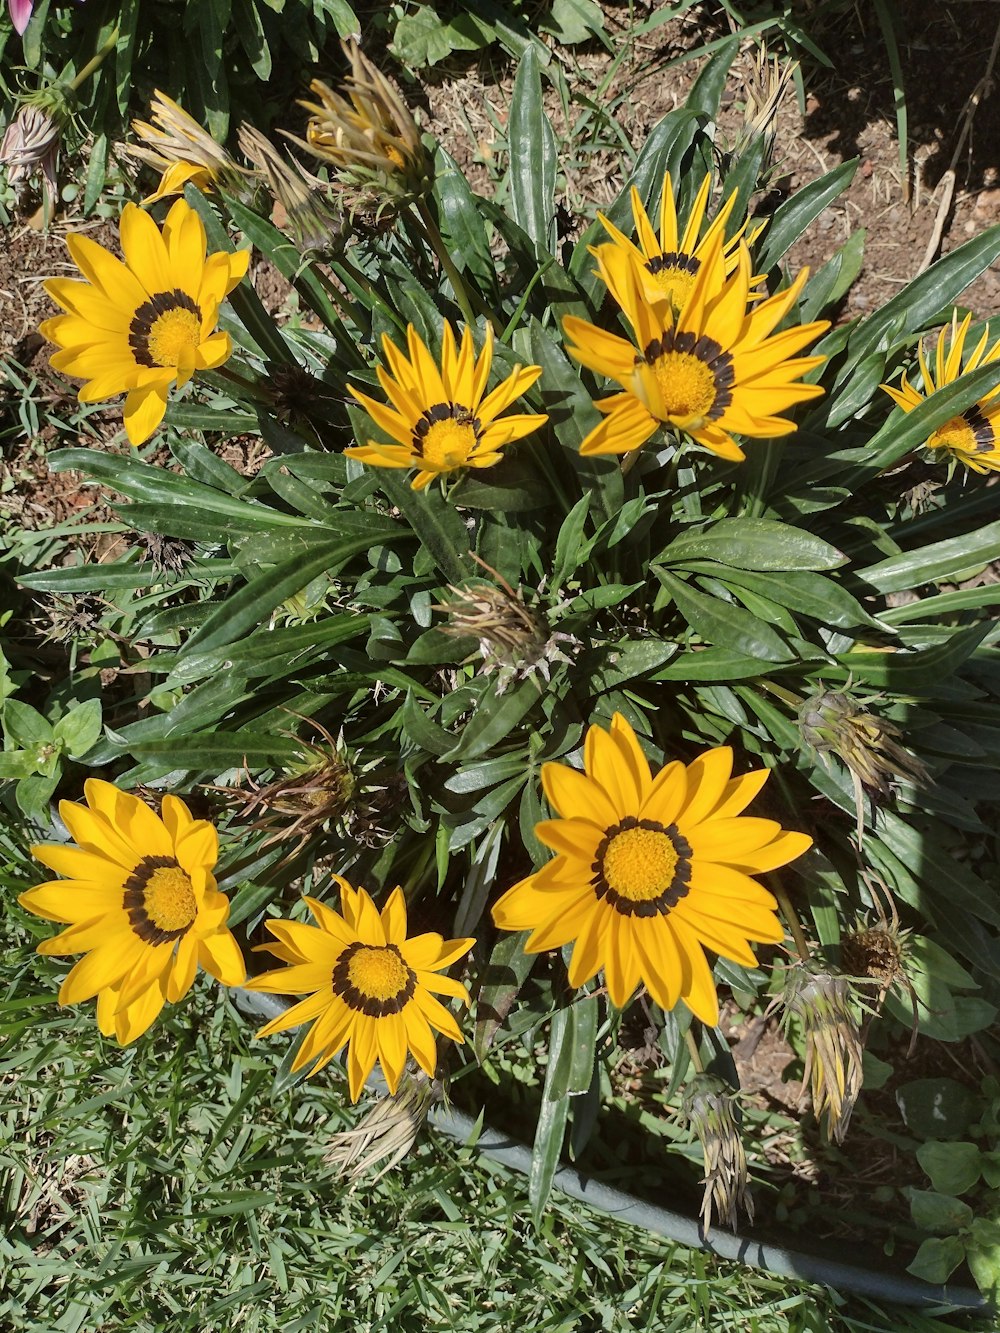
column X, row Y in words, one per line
column 180, row 1185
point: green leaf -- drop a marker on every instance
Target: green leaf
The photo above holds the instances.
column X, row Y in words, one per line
column 754, row 543
column 935, row 563
column 811, row 595
column 438, row 526
column 982, row 1254
column 937, row 1259
column 793, row 216
column 462, row 225
column 937, row 1108
column 80, row 730
column 24, row 726
column 953, row 1167
column 251, row 605
column 494, row 720
column 921, row 670
column 707, row 89
column 574, row 21
column 531, row 174
column 710, row 664
column 572, row 1039
column 723, row 624
column 938, row 1212
column 571, row 550
column 220, row 751
column 501, row 980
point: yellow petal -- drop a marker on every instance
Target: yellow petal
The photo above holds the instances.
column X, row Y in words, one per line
column 220, row 955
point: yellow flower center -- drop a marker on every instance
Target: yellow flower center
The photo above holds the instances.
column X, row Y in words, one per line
column 374, row 979
column 169, row 899
column 640, row 863
column 159, row 900
column 173, row 335
column 166, row 330
column 446, row 436
column 965, row 435
column 674, row 275
column 642, row 868
column 691, row 379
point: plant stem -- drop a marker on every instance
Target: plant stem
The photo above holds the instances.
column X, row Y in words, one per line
column 792, row 917
column 441, row 250
column 693, row 1051
column 779, row 692
column 257, row 391
column 96, row 61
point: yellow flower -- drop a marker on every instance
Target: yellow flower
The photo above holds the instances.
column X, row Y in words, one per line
column 141, row 903
column 668, row 264
column 368, row 136
column 714, row 369
column 650, row 872
column 973, row 438
column 137, row 327
column 441, row 416
column 180, row 150
column 367, row 985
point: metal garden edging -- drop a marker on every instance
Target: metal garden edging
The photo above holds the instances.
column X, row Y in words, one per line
column 896, row 1288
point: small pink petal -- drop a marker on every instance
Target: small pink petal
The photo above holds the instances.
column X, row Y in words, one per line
column 20, row 13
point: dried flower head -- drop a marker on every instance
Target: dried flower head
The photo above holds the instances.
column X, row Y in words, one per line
column 514, row 639
column 178, row 147
column 385, row 1133
column 875, row 952
column 316, row 793
column 31, row 146
column 821, row 1001
column 316, row 228
column 710, row 1105
column 765, row 83
column 369, row 137
column 833, row 723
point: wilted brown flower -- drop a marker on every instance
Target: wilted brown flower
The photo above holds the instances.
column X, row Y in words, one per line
column 178, row 147
column 821, row 1001
column 314, row 225
column 514, row 639
column 315, row 793
column 833, row 723
column 710, row 1105
column 875, row 953
column 385, row 1133
column 369, row 137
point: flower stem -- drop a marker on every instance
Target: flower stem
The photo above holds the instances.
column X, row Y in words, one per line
column 441, row 250
column 792, row 917
column 96, row 61
column 779, row 692
column 254, row 388
column 693, row 1051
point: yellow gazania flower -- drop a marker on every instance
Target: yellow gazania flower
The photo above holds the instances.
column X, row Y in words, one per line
column 367, row 985
column 973, row 437
column 369, row 136
column 651, row 871
column 137, row 327
column 668, row 264
column 178, row 147
column 141, row 903
column 714, row 369
column 442, row 417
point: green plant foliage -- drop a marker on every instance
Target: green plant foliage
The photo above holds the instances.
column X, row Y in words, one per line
column 705, row 601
